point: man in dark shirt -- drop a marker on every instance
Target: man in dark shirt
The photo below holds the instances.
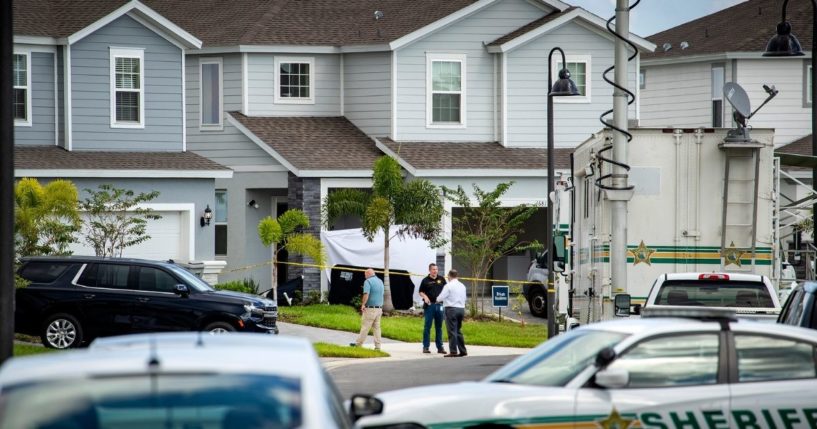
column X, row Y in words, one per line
column 430, row 288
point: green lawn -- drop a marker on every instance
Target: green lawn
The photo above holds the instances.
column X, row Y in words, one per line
column 332, row 350
column 410, row 328
column 29, row 349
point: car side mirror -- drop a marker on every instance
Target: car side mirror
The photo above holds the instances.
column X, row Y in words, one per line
column 613, row 378
column 622, row 305
column 181, row 290
column 605, row 356
column 364, row 405
column 636, row 309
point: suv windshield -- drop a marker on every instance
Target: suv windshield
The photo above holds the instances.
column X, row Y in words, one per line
column 191, row 279
column 714, row 293
column 160, row 401
column 558, row 360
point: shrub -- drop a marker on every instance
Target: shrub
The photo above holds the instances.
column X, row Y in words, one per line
column 20, row 282
column 247, row 286
column 312, row 297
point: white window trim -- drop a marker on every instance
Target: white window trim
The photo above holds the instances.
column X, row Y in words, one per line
column 807, row 78
column 128, row 53
column 277, row 99
column 220, row 125
column 576, row 99
column 461, row 58
column 28, row 121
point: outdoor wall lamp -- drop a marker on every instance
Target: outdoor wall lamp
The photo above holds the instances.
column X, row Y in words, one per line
column 785, row 44
column 564, row 86
column 253, row 204
column 208, row 214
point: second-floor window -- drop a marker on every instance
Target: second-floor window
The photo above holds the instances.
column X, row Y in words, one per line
column 294, row 80
column 717, row 96
column 211, row 93
column 446, row 90
column 21, row 103
column 127, row 88
column 579, row 68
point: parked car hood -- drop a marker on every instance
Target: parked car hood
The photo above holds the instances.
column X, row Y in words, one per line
column 238, row 297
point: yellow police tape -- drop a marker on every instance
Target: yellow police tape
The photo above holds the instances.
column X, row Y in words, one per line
column 302, row 264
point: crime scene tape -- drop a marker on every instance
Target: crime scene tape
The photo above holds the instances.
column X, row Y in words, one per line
column 303, row 264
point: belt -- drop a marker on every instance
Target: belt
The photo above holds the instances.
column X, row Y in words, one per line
column 374, row 306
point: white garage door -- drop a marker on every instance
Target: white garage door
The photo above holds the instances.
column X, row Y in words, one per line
column 168, row 239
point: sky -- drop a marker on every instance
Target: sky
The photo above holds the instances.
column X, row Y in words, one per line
column 653, row 16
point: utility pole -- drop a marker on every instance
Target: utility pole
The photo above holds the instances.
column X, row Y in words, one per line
column 6, row 185
column 618, row 245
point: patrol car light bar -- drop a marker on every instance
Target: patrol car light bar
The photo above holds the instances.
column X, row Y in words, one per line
column 713, row 277
column 690, row 313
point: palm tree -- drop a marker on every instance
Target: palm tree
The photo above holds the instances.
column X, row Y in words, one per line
column 284, row 233
column 46, row 218
column 414, row 206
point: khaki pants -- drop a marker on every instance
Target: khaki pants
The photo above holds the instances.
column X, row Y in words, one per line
column 370, row 318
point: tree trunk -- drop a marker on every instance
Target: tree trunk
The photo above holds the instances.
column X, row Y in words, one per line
column 388, row 307
column 274, row 273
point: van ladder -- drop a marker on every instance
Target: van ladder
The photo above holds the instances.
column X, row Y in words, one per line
column 739, row 214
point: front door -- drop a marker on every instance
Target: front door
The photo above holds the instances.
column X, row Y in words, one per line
column 675, row 381
column 157, row 307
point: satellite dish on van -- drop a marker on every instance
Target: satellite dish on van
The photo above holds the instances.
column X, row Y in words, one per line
column 737, row 97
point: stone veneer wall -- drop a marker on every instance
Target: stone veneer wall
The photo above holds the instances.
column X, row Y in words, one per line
column 305, row 194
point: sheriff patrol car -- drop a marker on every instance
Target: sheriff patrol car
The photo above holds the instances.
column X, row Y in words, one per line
column 700, row 368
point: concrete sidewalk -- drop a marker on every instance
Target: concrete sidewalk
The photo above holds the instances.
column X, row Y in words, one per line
column 397, row 349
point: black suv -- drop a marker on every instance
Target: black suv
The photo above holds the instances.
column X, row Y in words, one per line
column 71, row 300
column 801, row 307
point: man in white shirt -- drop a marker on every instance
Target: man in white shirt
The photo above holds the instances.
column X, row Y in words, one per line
column 453, row 299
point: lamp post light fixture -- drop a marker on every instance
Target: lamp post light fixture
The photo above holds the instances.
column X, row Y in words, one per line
column 208, row 214
column 785, row 44
column 563, row 86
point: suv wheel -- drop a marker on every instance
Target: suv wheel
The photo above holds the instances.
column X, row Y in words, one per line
column 537, row 301
column 218, row 328
column 61, row 331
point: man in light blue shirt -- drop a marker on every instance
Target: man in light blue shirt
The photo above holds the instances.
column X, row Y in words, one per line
column 371, row 309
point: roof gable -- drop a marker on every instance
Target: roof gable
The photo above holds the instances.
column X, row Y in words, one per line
column 554, row 20
column 750, row 26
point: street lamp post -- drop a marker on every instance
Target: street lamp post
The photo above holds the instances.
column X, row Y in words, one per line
column 784, row 44
column 563, row 87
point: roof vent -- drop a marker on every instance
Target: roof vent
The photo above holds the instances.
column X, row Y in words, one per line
column 684, row 45
column 378, row 15
column 667, row 46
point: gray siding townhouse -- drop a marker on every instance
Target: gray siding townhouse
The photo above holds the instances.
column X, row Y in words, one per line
column 99, row 99
column 299, row 97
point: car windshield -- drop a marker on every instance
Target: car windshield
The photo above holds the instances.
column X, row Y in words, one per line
column 714, row 293
column 558, row 360
column 218, row 401
column 193, row 280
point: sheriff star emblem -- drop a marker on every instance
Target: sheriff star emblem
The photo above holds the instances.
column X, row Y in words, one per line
column 642, row 253
column 731, row 255
column 614, row 421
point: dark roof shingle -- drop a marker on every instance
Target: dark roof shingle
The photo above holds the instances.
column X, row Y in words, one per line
column 314, row 143
column 801, row 146
column 530, row 26
column 57, row 158
column 745, row 27
column 476, row 155
column 251, row 22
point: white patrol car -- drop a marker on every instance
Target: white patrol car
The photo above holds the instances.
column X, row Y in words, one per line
column 700, row 369
column 751, row 296
column 178, row 380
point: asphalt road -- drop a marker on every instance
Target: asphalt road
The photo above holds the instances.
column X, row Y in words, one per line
column 376, row 377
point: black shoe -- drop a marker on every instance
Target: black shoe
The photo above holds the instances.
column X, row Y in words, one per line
column 462, row 355
column 451, row 355
column 441, row 351
column 426, row 351
column 352, row 344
